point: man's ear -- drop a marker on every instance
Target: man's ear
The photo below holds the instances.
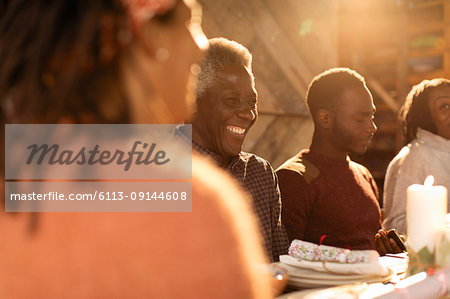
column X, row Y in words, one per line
column 324, row 118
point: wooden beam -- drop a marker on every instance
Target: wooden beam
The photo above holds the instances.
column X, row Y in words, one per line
column 276, row 42
column 383, row 94
column 236, row 20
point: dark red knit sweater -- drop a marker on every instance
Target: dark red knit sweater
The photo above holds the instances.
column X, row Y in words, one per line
column 324, row 196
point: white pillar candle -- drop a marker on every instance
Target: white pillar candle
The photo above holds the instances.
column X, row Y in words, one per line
column 426, row 207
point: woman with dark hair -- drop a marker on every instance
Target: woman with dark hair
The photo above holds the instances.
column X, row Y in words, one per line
column 425, row 119
column 130, row 61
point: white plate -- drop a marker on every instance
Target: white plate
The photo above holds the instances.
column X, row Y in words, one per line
column 299, row 294
column 373, row 267
column 338, row 280
column 312, row 274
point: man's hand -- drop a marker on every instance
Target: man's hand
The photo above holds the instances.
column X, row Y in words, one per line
column 385, row 244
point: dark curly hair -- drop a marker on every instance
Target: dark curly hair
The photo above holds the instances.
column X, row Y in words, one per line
column 415, row 112
column 57, row 58
column 328, row 87
column 59, row 61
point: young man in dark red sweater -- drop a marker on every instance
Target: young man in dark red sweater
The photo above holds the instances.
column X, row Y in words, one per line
column 326, row 196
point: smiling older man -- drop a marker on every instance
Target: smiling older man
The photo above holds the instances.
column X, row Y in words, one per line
column 226, row 110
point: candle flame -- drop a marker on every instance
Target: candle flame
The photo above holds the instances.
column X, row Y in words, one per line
column 429, row 181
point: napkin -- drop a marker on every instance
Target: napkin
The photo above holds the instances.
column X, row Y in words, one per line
column 331, row 259
column 313, row 252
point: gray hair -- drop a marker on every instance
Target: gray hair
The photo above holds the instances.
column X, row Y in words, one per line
column 222, row 52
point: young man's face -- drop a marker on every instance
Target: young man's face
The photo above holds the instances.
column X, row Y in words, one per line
column 439, row 105
column 227, row 111
column 353, row 126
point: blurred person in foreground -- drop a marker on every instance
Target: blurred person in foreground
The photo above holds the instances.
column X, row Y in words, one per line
column 226, row 110
column 425, row 119
column 328, row 198
column 118, row 62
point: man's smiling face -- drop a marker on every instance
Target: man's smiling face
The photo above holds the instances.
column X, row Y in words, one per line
column 226, row 111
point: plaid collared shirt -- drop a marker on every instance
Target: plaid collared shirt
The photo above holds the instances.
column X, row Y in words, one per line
column 258, row 178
